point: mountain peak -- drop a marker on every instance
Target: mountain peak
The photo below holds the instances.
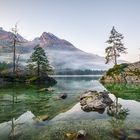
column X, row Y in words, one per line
column 49, row 36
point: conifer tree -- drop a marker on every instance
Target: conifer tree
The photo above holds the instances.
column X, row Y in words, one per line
column 38, row 61
column 115, row 48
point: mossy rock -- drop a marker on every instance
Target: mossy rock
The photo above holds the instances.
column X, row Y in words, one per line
column 117, row 69
column 122, row 73
column 28, row 79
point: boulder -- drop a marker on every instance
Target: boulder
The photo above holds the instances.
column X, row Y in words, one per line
column 94, row 101
column 81, row 134
column 43, row 117
column 70, row 135
column 63, row 96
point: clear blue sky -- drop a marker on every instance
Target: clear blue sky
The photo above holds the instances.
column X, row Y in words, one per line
column 85, row 23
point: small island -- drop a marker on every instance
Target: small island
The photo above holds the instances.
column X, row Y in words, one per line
column 122, row 73
column 34, row 71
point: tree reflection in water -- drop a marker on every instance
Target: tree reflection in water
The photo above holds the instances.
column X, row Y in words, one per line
column 13, row 114
column 118, row 115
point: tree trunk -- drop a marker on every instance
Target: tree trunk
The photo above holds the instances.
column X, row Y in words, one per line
column 38, row 69
column 115, row 57
column 115, row 60
column 14, row 57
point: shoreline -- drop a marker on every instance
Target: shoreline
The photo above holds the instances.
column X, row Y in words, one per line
column 75, row 75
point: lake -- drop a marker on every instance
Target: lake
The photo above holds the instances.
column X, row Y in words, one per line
column 21, row 107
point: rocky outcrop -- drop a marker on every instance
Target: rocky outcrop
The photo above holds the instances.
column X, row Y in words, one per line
column 93, row 100
column 127, row 73
column 42, row 80
column 62, row 96
column 49, row 81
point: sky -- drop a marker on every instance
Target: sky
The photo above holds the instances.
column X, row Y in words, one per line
column 84, row 23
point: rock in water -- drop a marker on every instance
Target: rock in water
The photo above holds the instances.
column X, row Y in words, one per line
column 43, row 117
column 45, row 89
column 71, row 135
column 94, row 101
column 63, row 96
column 81, row 134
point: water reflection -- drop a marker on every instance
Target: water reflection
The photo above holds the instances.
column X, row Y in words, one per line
column 78, row 77
column 125, row 91
column 17, row 100
column 13, row 112
column 118, row 116
column 8, row 106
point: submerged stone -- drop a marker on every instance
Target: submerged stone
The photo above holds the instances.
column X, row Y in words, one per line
column 43, row 117
column 45, row 89
column 119, row 133
column 63, row 96
column 133, row 137
column 70, row 135
column 81, row 134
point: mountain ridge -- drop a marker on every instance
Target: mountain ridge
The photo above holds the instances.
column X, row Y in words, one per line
column 61, row 53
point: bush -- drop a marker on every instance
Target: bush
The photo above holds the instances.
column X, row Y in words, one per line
column 117, row 69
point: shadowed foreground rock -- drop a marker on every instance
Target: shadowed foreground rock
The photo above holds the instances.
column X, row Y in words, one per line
column 94, row 101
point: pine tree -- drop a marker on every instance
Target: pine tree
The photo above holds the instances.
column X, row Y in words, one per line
column 115, row 48
column 38, row 61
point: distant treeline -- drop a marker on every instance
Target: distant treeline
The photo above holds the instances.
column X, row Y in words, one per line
column 4, row 66
column 81, row 72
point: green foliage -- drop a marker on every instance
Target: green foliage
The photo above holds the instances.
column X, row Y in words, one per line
column 38, row 62
column 117, row 70
column 115, row 48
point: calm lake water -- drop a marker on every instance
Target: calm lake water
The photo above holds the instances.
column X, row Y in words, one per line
column 21, row 106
